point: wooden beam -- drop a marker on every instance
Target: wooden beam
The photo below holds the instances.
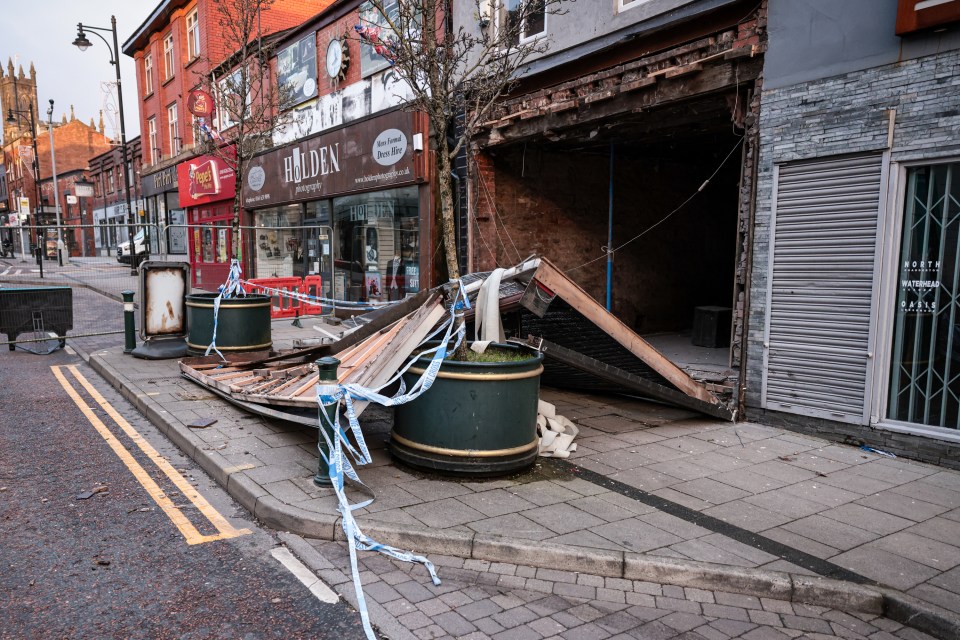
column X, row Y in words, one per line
column 555, row 280
column 625, row 379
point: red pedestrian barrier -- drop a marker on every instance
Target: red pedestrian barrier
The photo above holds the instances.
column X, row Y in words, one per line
column 312, row 287
column 282, row 292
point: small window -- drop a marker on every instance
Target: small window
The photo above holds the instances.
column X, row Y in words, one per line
column 111, row 182
column 147, row 74
column 168, row 58
column 629, row 4
column 172, row 132
column 152, row 134
column 193, row 35
column 523, row 20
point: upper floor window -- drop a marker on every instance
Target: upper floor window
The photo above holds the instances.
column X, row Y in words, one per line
column 172, row 131
column 232, row 100
column 629, row 4
column 193, row 35
column 147, row 74
column 111, row 183
column 168, row 58
column 152, row 136
column 522, row 19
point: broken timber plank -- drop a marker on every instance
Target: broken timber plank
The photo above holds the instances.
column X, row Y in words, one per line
column 556, row 281
column 383, row 318
column 623, row 378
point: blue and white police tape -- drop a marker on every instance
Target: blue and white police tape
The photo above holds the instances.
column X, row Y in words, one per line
column 318, row 300
column 232, row 287
column 339, row 464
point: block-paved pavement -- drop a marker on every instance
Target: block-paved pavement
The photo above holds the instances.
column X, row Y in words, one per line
column 653, row 492
column 480, row 600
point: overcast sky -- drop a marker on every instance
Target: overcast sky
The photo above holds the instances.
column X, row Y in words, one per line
column 41, row 31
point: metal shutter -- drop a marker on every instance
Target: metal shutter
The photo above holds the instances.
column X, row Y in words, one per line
column 822, row 265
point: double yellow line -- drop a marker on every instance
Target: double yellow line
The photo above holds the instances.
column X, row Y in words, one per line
column 190, row 533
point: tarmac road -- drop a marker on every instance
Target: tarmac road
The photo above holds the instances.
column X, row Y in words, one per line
column 118, row 563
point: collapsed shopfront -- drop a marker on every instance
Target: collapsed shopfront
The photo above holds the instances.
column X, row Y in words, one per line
column 636, row 181
column 349, row 206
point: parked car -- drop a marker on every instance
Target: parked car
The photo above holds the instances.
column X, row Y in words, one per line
column 140, row 247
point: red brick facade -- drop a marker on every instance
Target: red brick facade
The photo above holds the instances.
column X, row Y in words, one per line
column 172, row 89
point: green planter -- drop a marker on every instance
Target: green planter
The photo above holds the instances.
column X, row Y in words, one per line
column 243, row 324
column 477, row 418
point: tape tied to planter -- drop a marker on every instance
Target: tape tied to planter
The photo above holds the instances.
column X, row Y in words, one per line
column 343, row 455
column 229, row 289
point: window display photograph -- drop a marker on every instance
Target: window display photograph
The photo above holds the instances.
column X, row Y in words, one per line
column 279, row 247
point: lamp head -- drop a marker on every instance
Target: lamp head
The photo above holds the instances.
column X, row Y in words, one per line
column 10, row 119
column 81, row 42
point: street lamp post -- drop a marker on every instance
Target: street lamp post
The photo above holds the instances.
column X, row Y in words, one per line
column 36, row 161
column 56, row 187
column 83, row 44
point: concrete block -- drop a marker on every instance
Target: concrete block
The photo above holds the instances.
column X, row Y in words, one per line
column 245, row 491
column 598, row 562
column 284, row 517
column 703, row 575
column 836, row 594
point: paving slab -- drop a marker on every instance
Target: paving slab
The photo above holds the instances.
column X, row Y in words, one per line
column 655, row 480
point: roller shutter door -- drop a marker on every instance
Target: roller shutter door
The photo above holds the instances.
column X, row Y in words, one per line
column 823, row 260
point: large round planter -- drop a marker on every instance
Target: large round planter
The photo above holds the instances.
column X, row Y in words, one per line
column 243, row 324
column 477, row 418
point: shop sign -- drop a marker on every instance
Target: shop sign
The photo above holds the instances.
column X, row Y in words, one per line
column 200, row 103
column 205, row 179
column 159, row 182
column 368, row 155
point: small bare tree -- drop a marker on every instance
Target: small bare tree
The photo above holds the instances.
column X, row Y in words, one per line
column 249, row 106
column 455, row 72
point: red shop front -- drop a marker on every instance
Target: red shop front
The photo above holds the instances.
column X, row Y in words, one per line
column 206, row 187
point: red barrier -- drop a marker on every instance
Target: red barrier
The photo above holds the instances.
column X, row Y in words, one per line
column 312, row 287
column 281, row 292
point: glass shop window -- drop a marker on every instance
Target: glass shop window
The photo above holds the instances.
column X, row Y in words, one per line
column 377, row 245
column 925, row 376
column 279, row 242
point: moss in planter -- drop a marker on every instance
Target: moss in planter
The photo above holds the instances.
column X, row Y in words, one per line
column 494, row 354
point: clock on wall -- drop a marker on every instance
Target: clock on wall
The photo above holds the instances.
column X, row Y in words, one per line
column 338, row 58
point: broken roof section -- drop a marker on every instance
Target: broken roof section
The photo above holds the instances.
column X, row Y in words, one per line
column 585, row 347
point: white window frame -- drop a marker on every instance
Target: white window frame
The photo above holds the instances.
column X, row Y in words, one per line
column 224, row 117
column 193, row 35
column 148, row 74
column 625, row 5
column 169, row 57
column 152, row 137
column 172, row 129
column 500, row 14
column 111, row 181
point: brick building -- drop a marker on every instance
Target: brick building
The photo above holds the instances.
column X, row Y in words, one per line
column 178, row 44
column 74, row 143
column 354, row 221
column 854, row 294
column 109, row 202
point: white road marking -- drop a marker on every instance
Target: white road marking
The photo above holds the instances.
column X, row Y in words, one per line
column 6, row 271
column 317, row 587
column 70, row 350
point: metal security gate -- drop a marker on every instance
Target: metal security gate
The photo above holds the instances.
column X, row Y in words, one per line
column 823, row 263
column 925, row 376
